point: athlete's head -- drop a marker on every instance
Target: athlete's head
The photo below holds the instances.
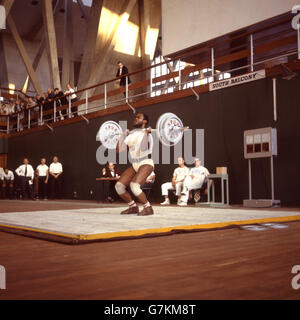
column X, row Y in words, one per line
column 141, row 120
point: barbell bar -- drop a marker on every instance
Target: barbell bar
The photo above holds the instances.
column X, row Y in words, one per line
column 169, row 130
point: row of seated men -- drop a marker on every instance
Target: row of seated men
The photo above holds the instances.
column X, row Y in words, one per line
column 184, row 181
column 25, row 181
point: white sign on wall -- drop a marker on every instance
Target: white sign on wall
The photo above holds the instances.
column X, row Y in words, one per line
column 257, row 75
column 2, row 18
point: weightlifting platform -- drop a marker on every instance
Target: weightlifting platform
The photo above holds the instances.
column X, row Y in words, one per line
column 77, row 226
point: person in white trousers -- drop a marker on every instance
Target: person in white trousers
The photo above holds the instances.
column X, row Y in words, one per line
column 179, row 175
column 197, row 176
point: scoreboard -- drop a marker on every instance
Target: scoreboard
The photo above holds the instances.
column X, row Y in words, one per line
column 260, row 143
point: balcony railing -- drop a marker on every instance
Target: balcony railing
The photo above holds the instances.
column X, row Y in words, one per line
column 268, row 46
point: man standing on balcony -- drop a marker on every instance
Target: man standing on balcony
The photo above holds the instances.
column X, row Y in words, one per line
column 122, row 71
column 71, row 95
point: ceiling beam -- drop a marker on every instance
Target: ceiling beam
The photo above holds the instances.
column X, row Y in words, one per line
column 24, row 54
column 39, row 25
column 67, row 69
column 50, row 35
column 90, row 43
column 83, row 9
column 7, row 4
column 102, row 60
column 41, row 49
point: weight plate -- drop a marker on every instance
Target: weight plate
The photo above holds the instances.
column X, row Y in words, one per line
column 109, row 134
column 169, row 129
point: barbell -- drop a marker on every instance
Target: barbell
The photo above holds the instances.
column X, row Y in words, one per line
column 169, row 130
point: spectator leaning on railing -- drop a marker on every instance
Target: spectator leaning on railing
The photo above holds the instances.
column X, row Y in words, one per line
column 61, row 100
column 73, row 98
column 3, row 110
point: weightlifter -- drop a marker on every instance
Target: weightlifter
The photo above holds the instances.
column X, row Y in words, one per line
column 139, row 144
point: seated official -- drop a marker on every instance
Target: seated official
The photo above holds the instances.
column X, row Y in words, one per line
column 111, row 172
column 179, row 175
column 7, row 183
column 196, row 179
column 26, row 175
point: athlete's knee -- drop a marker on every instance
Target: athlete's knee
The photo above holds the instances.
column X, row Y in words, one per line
column 120, row 188
column 136, row 188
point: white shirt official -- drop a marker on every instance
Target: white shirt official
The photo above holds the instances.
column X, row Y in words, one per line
column 42, row 170
column 181, row 173
column 21, row 171
column 55, row 168
column 198, row 171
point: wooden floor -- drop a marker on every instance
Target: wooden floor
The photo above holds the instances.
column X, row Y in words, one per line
column 222, row 264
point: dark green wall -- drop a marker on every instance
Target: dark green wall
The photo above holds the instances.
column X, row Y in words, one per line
column 223, row 114
column 3, row 145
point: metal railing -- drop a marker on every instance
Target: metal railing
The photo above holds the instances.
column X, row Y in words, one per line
column 185, row 76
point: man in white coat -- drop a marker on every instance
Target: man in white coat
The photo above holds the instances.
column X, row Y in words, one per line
column 195, row 180
column 179, row 175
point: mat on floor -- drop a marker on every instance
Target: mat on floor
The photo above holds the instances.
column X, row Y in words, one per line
column 106, row 224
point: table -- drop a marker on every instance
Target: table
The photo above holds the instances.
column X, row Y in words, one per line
column 224, row 178
column 103, row 180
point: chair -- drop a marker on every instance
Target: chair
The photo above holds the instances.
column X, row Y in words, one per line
column 147, row 191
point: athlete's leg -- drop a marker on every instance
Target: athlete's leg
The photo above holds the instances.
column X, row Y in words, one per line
column 121, row 185
column 138, row 180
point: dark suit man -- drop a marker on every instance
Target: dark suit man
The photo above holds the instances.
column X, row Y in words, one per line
column 61, row 100
column 111, row 172
column 122, row 71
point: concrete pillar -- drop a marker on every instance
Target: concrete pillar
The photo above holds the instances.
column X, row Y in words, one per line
column 7, row 4
column 68, row 47
column 99, row 66
column 40, row 52
column 51, row 46
column 24, row 54
column 90, row 44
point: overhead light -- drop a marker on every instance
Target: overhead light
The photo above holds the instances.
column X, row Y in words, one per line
column 288, row 74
